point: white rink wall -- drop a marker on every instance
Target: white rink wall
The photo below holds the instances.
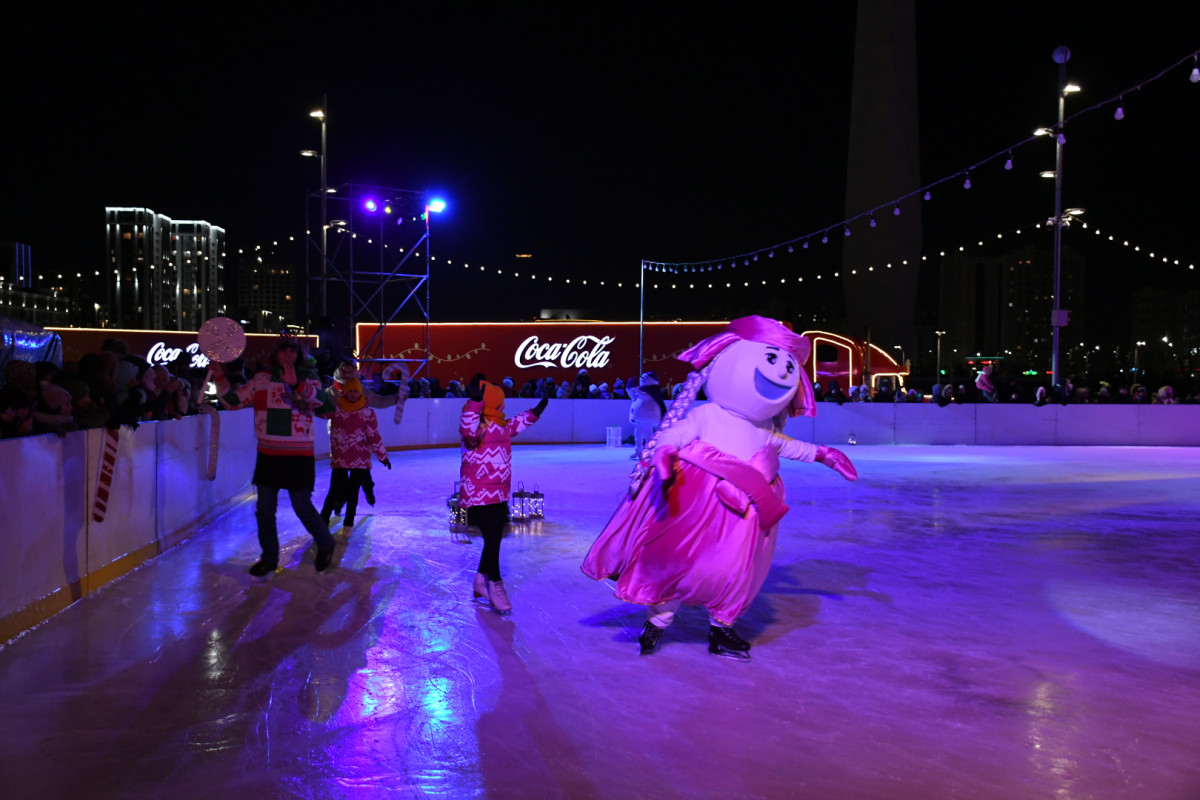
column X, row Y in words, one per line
column 434, row 422
column 56, row 553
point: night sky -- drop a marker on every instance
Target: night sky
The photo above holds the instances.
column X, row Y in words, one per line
column 589, row 137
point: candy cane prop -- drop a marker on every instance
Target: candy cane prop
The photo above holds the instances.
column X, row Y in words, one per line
column 214, row 437
column 108, row 461
column 402, row 395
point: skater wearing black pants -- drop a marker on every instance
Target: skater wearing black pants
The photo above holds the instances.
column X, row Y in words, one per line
column 487, row 478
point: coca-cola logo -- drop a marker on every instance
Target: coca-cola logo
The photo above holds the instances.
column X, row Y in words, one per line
column 582, row 352
column 161, row 354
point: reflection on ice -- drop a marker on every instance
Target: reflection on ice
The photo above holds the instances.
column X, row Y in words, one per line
column 974, row 622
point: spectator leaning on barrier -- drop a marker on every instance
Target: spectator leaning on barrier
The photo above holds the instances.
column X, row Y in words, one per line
column 15, row 417
column 987, row 390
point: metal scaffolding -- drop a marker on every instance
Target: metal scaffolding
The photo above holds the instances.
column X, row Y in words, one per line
column 367, row 260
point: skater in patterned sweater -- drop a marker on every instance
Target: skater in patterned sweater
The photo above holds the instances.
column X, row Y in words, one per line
column 353, row 438
column 285, row 399
column 487, row 477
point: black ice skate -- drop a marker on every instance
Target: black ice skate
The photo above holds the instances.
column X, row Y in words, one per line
column 651, row 638
column 726, row 643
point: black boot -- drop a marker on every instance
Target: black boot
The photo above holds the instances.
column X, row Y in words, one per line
column 651, row 638
column 262, row 568
column 323, row 560
column 726, row 643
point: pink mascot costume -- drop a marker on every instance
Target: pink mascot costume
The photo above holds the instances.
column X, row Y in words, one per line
column 705, row 502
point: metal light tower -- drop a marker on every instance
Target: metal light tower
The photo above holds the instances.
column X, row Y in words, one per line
column 324, row 192
column 1058, row 317
column 938, row 368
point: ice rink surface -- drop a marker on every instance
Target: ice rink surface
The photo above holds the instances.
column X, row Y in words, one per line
column 962, row 622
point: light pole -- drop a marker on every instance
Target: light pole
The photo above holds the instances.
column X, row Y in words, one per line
column 320, row 114
column 641, row 317
column 938, row 368
column 1058, row 316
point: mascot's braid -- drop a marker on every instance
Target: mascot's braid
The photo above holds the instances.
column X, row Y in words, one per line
column 683, row 401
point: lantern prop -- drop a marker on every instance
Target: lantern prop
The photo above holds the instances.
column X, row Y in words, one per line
column 458, row 516
column 537, row 504
column 519, row 504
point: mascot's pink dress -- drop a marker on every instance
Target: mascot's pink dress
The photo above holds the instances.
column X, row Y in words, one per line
column 700, row 522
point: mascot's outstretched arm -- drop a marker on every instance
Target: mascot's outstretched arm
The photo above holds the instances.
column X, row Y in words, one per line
column 837, row 461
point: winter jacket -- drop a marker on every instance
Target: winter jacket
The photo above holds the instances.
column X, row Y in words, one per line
column 487, row 455
column 353, row 437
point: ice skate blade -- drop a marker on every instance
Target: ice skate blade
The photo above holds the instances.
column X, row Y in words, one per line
column 734, row 655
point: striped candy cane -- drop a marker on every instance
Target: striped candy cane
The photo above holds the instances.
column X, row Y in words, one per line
column 214, row 437
column 108, row 460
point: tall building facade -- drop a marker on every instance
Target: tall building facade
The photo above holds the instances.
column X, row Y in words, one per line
column 267, row 296
column 162, row 274
column 1000, row 305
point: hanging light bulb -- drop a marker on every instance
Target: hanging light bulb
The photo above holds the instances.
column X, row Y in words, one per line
column 928, row 196
column 872, row 222
column 1008, row 163
column 896, row 210
column 1062, row 138
column 791, row 249
column 1195, row 76
column 771, row 254
column 825, row 238
column 967, row 182
column 755, row 258
column 1120, row 112
column 805, row 245
column 847, row 231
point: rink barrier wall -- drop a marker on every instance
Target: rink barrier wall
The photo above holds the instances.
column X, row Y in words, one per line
column 434, row 423
column 56, row 553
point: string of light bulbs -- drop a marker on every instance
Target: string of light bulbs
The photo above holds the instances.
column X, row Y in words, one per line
column 925, row 192
column 865, row 270
column 822, row 235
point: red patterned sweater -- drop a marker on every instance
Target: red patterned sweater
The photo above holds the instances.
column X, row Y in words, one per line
column 353, row 437
column 487, row 455
column 283, row 415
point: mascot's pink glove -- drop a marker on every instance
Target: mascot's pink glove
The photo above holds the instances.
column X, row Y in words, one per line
column 663, row 460
column 837, row 461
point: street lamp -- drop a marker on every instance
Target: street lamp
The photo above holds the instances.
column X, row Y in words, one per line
column 1059, row 316
column 320, row 114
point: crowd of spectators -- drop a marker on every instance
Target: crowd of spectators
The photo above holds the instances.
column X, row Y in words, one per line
column 986, row 390
column 114, row 387
column 582, row 388
column 109, row 388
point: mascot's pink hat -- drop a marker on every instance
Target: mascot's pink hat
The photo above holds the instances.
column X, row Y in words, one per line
column 766, row 331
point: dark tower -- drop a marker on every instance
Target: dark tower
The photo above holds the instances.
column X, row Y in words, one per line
column 882, row 164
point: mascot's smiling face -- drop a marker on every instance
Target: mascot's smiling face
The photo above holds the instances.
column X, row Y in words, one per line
column 753, row 380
